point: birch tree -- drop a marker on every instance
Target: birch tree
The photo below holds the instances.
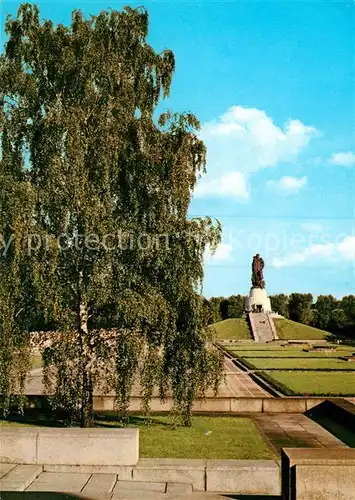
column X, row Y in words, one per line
column 95, row 194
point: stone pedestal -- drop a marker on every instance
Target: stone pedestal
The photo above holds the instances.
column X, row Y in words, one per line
column 258, row 301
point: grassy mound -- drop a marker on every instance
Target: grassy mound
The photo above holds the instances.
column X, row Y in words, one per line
column 232, row 329
column 290, row 330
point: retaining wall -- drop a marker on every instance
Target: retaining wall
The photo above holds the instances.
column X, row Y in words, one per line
column 209, row 405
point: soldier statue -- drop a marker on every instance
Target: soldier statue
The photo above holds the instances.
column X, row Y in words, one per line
column 257, row 277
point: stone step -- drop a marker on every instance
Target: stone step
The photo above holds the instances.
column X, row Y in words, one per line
column 120, row 486
column 20, row 477
column 5, row 468
column 172, row 470
column 261, row 327
column 179, row 488
column 64, row 482
column 100, row 483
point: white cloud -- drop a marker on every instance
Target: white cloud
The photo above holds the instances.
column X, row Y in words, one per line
column 232, row 185
column 347, row 248
column 223, row 252
column 339, row 251
column 245, row 140
column 288, row 184
column 343, row 159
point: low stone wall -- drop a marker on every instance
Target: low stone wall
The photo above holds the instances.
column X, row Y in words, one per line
column 172, row 470
column 69, row 446
column 209, row 405
column 221, row 405
column 246, row 477
column 272, row 326
column 254, row 330
column 313, row 474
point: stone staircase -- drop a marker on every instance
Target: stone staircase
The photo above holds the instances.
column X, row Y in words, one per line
column 262, row 327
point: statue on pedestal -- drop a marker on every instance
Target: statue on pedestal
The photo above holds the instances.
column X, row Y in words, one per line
column 257, row 300
column 257, row 277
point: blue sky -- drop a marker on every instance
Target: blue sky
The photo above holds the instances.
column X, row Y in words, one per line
column 272, row 85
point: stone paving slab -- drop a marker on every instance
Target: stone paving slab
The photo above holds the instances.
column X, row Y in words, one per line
column 100, row 483
column 295, row 430
column 139, row 486
column 19, row 477
column 64, row 482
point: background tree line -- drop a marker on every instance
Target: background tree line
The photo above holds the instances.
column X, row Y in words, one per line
column 328, row 313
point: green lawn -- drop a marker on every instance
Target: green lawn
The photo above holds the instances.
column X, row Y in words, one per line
column 313, row 383
column 207, row 438
column 256, row 347
column 290, row 330
column 232, row 329
column 286, row 348
column 300, row 363
column 287, row 353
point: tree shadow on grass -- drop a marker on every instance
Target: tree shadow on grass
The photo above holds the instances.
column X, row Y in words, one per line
column 108, row 420
column 111, row 420
column 35, row 417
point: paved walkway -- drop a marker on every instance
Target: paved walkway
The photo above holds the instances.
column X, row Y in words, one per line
column 237, row 383
column 295, row 430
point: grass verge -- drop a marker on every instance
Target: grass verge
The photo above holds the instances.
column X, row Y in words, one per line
column 298, row 364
